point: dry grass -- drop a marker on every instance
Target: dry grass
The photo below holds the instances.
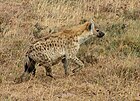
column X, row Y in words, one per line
column 112, row 71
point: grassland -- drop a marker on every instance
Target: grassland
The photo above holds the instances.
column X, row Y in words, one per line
column 112, row 64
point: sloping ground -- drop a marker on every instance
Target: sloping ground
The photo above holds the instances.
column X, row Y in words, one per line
column 108, row 80
column 112, row 64
column 104, row 81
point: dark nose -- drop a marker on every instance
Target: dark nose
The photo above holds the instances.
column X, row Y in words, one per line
column 100, row 34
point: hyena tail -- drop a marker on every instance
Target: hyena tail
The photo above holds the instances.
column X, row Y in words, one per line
column 29, row 67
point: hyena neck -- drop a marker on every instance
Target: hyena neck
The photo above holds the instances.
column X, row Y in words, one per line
column 83, row 39
column 80, row 33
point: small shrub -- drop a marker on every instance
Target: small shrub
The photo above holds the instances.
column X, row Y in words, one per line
column 134, row 15
column 128, row 73
column 116, row 29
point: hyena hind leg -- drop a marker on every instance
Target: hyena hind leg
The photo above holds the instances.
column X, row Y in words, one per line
column 65, row 65
column 34, row 71
column 48, row 71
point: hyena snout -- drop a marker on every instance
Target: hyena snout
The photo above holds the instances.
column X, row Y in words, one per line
column 100, row 34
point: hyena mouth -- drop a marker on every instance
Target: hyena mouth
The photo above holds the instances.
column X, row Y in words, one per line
column 100, row 34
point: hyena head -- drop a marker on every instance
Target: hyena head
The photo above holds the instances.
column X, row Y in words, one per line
column 94, row 31
column 90, row 31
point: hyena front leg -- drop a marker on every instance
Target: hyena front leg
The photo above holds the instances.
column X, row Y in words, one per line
column 65, row 65
column 79, row 63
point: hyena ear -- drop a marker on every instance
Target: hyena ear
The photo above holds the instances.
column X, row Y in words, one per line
column 91, row 25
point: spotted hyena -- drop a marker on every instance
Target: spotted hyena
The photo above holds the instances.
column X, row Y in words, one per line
column 62, row 46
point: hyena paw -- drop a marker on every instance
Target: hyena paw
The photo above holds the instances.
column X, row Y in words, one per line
column 18, row 80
